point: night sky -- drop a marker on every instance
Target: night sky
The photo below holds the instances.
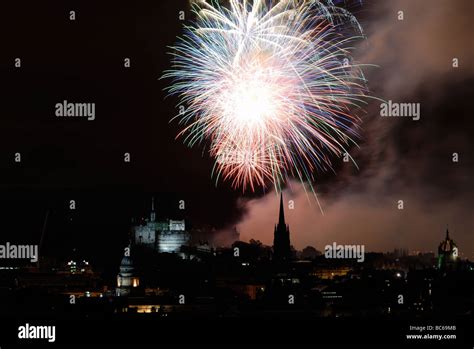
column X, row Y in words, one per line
column 82, row 61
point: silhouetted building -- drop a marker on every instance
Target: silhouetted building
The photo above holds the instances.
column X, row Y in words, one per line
column 281, row 240
column 163, row 236
column 447, row 252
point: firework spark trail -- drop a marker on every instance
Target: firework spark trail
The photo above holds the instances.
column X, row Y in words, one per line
column 271, row 86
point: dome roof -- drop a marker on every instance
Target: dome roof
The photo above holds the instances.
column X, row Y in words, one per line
column 126, row 261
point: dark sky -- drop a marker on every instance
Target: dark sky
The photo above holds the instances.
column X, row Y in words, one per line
column 82, row 61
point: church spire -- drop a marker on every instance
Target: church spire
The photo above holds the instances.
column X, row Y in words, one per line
column 281, row 220
column 281, row 237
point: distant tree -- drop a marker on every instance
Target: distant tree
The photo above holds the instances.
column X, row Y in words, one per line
column 309, row 252
column 255, row 242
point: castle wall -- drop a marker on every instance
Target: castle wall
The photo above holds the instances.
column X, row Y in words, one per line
column 144, row 234
column 170, row 241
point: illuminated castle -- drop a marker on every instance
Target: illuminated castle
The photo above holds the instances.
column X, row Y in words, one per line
column 162, row 236
column 447, row 252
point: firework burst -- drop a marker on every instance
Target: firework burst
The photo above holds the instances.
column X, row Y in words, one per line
column 270, row 87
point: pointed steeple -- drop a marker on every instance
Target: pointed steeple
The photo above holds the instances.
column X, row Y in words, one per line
column 447, row 234
column 281, row 237
column 281, row 220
